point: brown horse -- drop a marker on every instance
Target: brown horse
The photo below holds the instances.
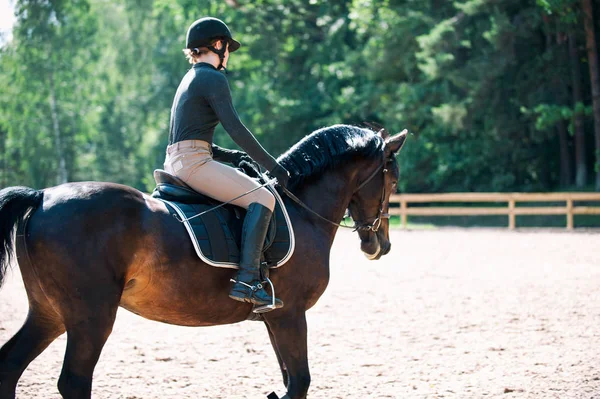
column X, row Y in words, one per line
column 84, row 249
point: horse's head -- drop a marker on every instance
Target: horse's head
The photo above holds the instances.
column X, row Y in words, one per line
column 370, row 203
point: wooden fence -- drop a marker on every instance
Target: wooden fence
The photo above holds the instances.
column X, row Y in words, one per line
column 511, row 210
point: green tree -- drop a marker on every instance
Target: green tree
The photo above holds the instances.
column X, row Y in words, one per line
column 45, row 69
column 490, row 89
column 592, row 50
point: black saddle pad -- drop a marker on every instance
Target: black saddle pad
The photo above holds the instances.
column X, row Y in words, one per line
column 216, row 234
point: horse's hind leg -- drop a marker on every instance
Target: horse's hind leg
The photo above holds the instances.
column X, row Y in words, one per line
column 289, row 333
column 85, row 339
column 35, row 335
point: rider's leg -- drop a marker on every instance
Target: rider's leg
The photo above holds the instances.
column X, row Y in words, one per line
column 195, row 166
column 247, row 285
column 224, row 183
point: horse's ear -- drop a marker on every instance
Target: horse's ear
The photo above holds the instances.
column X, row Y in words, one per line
column 394, row 144
column 383, row 133
column 376, row 127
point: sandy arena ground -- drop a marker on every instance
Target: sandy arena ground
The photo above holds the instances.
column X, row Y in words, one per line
column 448, row 314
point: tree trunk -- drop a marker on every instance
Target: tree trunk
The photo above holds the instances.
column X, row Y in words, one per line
column 558, row 91
column 565, row 157
column 592, row 49
column 580, row 157
column 562, row 98
column 62, row 164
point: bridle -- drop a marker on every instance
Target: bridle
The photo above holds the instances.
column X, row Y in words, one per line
column 358, row 226
column 376, row 223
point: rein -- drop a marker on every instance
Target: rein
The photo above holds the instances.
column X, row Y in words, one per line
column 303, row 205
column 374, row 226
column 269, row 182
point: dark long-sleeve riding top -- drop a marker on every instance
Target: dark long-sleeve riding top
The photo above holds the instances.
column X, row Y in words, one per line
column 203, row 99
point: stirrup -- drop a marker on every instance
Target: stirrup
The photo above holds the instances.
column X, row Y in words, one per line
column 266, row 308
column 260, row 308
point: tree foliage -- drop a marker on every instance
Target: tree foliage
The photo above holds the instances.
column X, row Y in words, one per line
column 484, row 86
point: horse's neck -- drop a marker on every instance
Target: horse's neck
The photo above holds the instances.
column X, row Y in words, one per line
column 329, row 196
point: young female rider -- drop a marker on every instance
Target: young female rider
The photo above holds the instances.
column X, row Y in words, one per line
column 203, row 99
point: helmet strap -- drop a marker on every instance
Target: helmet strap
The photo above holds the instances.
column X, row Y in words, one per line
column 220, row 53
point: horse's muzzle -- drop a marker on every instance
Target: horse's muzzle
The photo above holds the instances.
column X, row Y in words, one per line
column 387, row 247
column 374, row 248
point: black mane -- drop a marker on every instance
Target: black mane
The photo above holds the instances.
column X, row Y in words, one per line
column 326, row 148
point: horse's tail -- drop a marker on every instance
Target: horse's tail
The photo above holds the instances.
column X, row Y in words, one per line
column 14, row 204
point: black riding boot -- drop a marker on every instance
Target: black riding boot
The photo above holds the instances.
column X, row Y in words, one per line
column 247, row 286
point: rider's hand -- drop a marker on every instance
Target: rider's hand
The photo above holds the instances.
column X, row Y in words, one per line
column 281, row 174
column 242, row 157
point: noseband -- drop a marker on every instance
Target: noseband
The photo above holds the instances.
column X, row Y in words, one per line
column 358, row 226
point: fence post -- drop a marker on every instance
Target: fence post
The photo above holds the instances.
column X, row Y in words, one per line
column 403, row 213
column 511, row 214
column 569, row 214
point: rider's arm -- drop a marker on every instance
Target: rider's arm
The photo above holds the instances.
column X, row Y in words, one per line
column 219, row 98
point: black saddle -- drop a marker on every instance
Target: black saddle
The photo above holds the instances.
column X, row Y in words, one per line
column 216, row 233
column 172, row 188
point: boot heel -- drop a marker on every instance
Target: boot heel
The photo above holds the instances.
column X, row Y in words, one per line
column 275, row 303
column 239, row 298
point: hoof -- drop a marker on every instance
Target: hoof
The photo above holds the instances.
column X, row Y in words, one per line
column 273, row 395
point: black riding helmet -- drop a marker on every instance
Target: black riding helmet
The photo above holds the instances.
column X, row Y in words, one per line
column 204, row 30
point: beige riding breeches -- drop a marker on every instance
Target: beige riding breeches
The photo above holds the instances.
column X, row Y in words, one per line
column 192, row 162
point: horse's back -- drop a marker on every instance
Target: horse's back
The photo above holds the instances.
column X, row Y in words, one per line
column 87, row 214
column 91, row 195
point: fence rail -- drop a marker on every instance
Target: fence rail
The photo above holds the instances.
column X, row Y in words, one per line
column 511, row 210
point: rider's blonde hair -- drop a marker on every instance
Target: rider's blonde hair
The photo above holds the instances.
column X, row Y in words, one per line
column 193, row 55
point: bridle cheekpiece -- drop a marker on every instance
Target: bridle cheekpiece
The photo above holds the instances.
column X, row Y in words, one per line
column 376, row 223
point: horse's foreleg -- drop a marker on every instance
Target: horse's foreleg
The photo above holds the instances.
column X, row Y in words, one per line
column 85, row 340
column 35, row 335
column 276, row 349
column 289, row 333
